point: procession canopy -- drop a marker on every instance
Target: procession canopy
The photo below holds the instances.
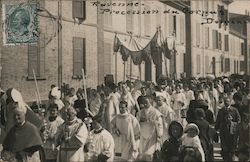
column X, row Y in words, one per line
column 157, row 46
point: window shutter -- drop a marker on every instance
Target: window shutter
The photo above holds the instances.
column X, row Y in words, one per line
column 79, row 9
column 147, row 22
column 226, row 43
column 219, row 41
column 242, row 66
column 198, row 61
column 78, row 53
column 41, row 54
column 222, row 65
column 107, row 58
column 107, row 16
column 227, row 65
column 242, row 49
column 197, row 34
column 129, row 19
column 207, row 37
column 32, row 60
column 182, row 30
column 207, row 64
column 171, row 25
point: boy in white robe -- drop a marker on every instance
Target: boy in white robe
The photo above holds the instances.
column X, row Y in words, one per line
column 126, row 133
column 53, row 121
column 100, row 143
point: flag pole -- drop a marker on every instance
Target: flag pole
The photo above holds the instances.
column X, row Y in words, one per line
column 85, row 93
column 37, row 90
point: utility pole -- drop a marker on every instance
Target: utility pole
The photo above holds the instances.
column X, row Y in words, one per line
column 59, row 32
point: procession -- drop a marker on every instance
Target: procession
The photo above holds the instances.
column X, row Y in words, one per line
column 174, row 120
column 125, row 81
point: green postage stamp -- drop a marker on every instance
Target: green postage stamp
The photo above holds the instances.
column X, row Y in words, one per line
column 21, row 24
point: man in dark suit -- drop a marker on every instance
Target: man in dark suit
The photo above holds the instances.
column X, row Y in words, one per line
column 199, row 102
column 227, row 123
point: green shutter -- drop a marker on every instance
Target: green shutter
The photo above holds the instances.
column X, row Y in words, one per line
column 79, row 9
column 198, row 34
column 107, row 58
column 41, row 55
column 226, row 43
column 206, row 37
column 78, row 53
column 32, row 60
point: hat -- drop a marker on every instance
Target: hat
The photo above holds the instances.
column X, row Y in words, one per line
column 55, row 92
column 192, row 126
column 14, row 94
column 71, row 110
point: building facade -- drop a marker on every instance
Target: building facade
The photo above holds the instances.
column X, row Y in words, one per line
column 76, row 35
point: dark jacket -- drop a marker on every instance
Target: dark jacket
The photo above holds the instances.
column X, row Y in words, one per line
column 170, row 150
column 204, row 136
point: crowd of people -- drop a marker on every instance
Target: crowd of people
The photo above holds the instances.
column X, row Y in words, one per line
column 171, row 120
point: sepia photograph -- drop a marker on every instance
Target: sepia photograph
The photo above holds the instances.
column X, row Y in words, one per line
column 124, row 80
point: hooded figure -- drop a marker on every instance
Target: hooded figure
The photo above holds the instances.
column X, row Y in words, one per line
column 171, row 147
column 191, row 138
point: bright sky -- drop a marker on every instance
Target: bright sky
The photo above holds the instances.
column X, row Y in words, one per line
column 239, row 6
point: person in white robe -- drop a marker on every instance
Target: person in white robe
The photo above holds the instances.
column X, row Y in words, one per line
column 126, row 133
column 167, row 112
column 151, row 123
column 127, row 96
column 53, row 121
column 100, row 143
column 111, row 109
column 71, row 137
column 178, row 102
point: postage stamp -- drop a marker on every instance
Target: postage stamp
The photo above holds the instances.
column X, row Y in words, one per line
column 21, row 24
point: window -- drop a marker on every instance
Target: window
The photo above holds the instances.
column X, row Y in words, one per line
column 36, row 58
column 79, row 56
column 198, row 62
column 242, row 66
column 172, row 25
column 107, row 57
column 222, row 65
column 197, row 34
column 242, row 49
column 226, row 43
column 206, row 37
column 182, row 30
column 227, row 64
column 147, row 22
column 219, row 41
column 215, row 39
column 207, row 64
column 79, row 9
column 129, row 16
column 107, row 17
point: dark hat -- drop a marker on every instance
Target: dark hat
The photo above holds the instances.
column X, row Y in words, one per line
column 112, row 86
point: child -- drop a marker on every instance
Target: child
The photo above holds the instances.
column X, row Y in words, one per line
column 191, row 138
column 171, row 147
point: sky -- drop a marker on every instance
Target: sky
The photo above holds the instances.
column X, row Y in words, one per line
column 239, row 6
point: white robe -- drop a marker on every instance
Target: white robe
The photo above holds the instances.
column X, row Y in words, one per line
column 194, row 142
column 100, row 143
column 72, row 150
column 151, row 124
column 50, row 144
column 168, row 116
column 127, row 142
